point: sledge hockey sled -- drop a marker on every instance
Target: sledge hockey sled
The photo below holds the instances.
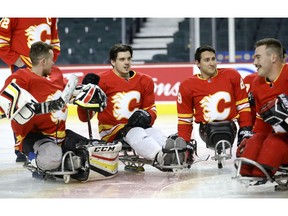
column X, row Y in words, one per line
column 219, row 137
column 102, row 164
column 62, row 173
column 280, row 178
column 135, row 163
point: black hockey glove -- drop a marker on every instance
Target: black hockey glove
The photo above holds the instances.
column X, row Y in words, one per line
column 244, row 132
column 275, row 111
column 140, row 118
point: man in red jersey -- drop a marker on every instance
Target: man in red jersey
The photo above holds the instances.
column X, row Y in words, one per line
column 16, row 37
column 269, row 144
column 213, row 95
column 40, row 137
column 45, row 82
column 248, row 82
column 131, row 111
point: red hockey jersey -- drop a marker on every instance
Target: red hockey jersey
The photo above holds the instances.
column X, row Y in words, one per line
column 124, row 96
column 265, row 91
column 42, row 89
column 222, row 97
column 18, row 34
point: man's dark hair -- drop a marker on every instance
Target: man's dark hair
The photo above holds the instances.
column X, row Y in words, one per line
column 201, row 49
column 119, row 48
column 38, row 51
column 273, row 44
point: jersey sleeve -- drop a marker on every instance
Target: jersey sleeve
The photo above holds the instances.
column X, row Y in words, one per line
column 185, row 108
column 6, row 53
column 242, row 102
column 149, row 98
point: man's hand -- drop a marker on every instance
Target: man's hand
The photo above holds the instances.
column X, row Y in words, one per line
column 140, row 118
column 244, row 132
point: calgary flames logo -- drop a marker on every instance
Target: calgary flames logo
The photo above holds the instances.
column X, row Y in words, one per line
column 35, row 33
column 121, row 103
column 210, row 105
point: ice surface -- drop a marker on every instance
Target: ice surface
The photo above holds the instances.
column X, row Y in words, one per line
column 202, row 180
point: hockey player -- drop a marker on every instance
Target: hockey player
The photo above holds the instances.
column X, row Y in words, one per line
column 269, row 144
column 44, row 81
column 131, row 110
column 16, row 37
column 213, row 95
column 248, row 82
column 44, row 137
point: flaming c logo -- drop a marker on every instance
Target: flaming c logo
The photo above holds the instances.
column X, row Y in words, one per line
column 121, row 103
column 36, row 33
column 210, row 106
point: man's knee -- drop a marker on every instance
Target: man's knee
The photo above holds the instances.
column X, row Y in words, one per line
column 48, row 154
column 274, row 151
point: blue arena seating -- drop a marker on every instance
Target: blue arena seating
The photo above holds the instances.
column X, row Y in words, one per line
column 88, row 40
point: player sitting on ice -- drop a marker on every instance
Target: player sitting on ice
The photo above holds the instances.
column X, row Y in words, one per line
column 269, row 150
column 35, row 100
column 131, row 112
column 138, row 133
column 44, row 152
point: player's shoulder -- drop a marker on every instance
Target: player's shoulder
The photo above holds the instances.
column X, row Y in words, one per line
column 56, row 71
column 107, row 77
column 23, row 73
column 191, row 79
column 141, row 74
column 250, row 77
column 138, row 76
column 105, row 74
column 230, row 73
column 21, row 76
column 258, row 80
column 227, row 70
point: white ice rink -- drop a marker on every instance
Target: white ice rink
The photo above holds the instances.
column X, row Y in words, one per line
column 202, row 180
